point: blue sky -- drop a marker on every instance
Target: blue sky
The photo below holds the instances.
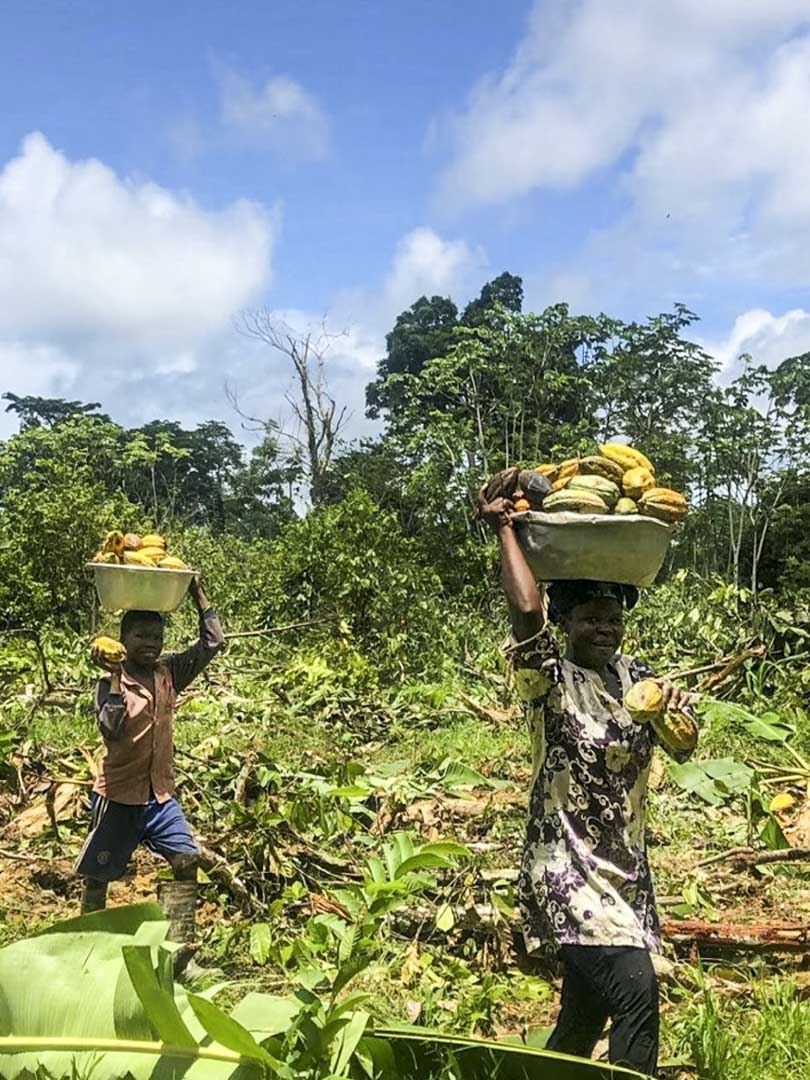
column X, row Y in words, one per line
column 163, row 167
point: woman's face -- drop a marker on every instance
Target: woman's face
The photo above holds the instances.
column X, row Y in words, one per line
column 594, row 631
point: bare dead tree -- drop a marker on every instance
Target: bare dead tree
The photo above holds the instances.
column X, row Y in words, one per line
column 319, row 421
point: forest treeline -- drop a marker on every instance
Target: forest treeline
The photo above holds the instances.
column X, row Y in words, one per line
column 388, row 542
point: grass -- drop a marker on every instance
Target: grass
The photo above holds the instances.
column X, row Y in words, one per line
column 760, row 1034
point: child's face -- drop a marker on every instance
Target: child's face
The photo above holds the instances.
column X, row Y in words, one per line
column 144, row 643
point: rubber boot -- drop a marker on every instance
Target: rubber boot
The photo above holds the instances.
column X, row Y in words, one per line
column 179, row 902
column 94, row 895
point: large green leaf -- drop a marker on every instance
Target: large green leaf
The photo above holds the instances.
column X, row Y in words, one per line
column 420, row 1052
column 714, row 780
column 347, row 1040
column 229, row 1032
column 158, row 1001
column 266, row 1014
column 120, row 920
column 68, row 1005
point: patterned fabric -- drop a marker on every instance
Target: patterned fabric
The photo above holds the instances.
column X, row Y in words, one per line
column 585, row 878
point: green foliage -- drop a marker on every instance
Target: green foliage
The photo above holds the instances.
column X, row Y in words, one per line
column 764, row 1034
column 126, row 1014
column 57, row 499
column 352, row 562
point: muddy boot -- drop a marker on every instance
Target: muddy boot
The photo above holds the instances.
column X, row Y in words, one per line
column 179, row 902
column 94, row 895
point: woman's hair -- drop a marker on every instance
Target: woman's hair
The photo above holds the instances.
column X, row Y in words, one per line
column 131, row 619
column 564, row 596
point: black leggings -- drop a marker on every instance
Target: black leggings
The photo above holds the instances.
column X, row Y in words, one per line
column 601, row 982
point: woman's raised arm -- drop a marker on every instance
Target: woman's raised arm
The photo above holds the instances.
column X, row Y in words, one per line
column 523, row 595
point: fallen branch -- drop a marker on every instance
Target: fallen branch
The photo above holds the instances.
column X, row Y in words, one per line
column 216, row 867
column 731, row 667
column 748, row 857
column 279, row 629
column 23, row 856
column 758, row 938
column 240, row 787
column 686, row 673
column 487, row 712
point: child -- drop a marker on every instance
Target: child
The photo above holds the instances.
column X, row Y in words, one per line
column 133, row 797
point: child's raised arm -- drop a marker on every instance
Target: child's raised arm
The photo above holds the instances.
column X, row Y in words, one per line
column 187, row 665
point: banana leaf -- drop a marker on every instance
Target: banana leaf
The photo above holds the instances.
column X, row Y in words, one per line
column 68, row 1005
column 95, row 997
column 414, row 1053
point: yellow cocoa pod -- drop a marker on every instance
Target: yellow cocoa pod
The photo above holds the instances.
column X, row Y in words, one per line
column 551, row 472
column 645, row 703
column 153, row 553
column 153, row 540
column 665, row 497
column 644, row 700
column 561, row 483
column 568, row 468
column 626, row 507
column 602, row 466
column 664, row 504
column 781, row 802
column 106, row 557
column 636, row 481
column 626, row 456
column 675, row 730
column 172, row 563
column 112, row 651
column 113, row 543
column 137, row 558
column 132, row 541
column 522, row 504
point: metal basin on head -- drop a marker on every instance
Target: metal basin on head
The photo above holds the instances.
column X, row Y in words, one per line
column 597, row 547
column 140, row 588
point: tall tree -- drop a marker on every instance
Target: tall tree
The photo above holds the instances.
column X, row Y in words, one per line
column 506, row 290
column 45, row 412
column 651, row 385
column 315, row 439
column 421, row 333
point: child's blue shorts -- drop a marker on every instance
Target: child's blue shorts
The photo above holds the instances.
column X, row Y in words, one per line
column 117, row 829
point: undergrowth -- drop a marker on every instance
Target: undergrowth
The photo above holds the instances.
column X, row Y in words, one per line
column 335, row 756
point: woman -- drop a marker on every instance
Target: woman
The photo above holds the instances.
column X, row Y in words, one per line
column 585, row 886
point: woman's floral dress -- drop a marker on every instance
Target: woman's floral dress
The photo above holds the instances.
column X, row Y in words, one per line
column 584, row 878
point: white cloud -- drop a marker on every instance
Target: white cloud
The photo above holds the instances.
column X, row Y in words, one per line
column 124, row 293
column 108, row 283
column 595, row 80
column 281, row 115
column 768, row 338
column 85, row 254
column 425, row 264
column 690, row 116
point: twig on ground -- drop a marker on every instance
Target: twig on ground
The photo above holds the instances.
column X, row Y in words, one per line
column 23, row 856
column 488, row 712
column 216, row 866
column 731, row 667
column 748, row 857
